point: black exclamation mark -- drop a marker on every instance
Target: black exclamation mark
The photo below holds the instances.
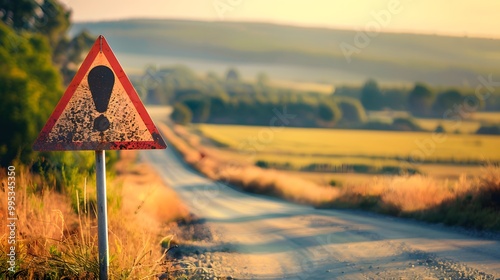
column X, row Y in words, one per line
column 101, row 81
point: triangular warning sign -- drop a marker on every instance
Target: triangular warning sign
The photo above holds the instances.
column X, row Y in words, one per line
column 100, row 110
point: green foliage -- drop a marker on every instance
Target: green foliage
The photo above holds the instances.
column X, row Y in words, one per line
column 51, row 20
column 329, row 112
column 405, row 124
column 376, row 125
column 371, row 96
column 212, row 99
column 181, row 114
column 420, row 100
column 335, row 183
column 489, row 129
column 395, row 99
column 440, row 129
column 199, row 107
column 352, row 110
column 446, row 102
column 262, row 164
column 45, row 17
column 30, row 87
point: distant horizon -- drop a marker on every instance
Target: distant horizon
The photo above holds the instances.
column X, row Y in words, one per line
column 465, row 18
column 409, row 32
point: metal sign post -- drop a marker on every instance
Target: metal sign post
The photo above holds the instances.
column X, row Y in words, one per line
column 99, row 111
column 102, row 214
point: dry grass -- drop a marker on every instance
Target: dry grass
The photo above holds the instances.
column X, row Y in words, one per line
column 54, row 241
column 470, row 201
column 144, row 192
column 404, row 193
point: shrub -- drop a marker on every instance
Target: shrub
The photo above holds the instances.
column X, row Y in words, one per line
column 405, row 124
column 489, row 130
column 352, row 110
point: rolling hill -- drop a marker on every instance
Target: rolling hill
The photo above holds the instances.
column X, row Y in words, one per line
column 302, row 54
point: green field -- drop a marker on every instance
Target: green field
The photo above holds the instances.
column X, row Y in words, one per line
column 300, row 147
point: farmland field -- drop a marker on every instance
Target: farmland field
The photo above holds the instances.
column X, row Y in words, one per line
column 450, row 126
column 298, row 147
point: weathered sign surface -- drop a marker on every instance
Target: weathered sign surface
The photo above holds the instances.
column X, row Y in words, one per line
column 100, row 110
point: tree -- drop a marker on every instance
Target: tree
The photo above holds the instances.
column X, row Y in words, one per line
column 395, row 99
column 30, row 87
column 181, row 114
column 447, row 102
column 52, row 20
column 420, row 100
column 232, row 75
column 352, row 110
column 489, row 130
column 199, row 107
column 405, row 124
column 328, row 112
column 371, row 96
column 218, row 107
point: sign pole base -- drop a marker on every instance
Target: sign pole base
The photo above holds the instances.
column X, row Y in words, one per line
column 102, row 214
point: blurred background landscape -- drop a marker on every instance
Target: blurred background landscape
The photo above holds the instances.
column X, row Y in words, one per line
column 237, row 73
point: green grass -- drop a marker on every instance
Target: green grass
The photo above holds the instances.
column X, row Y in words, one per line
column 303, row 146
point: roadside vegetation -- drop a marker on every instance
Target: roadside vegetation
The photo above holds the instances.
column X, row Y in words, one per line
column 57, row 230
column 54, row 193
column 470, row 202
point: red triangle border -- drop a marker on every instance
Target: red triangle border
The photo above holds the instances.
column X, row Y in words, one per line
column 100, row 45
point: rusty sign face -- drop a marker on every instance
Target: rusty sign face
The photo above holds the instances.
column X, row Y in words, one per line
column 100, row 110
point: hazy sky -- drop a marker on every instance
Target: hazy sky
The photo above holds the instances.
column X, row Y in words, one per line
column 478, row 18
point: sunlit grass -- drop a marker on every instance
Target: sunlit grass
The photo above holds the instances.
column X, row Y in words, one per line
column 471, row 202
column 57, row 238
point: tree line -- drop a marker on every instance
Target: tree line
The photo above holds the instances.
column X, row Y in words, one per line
column 231, row 100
